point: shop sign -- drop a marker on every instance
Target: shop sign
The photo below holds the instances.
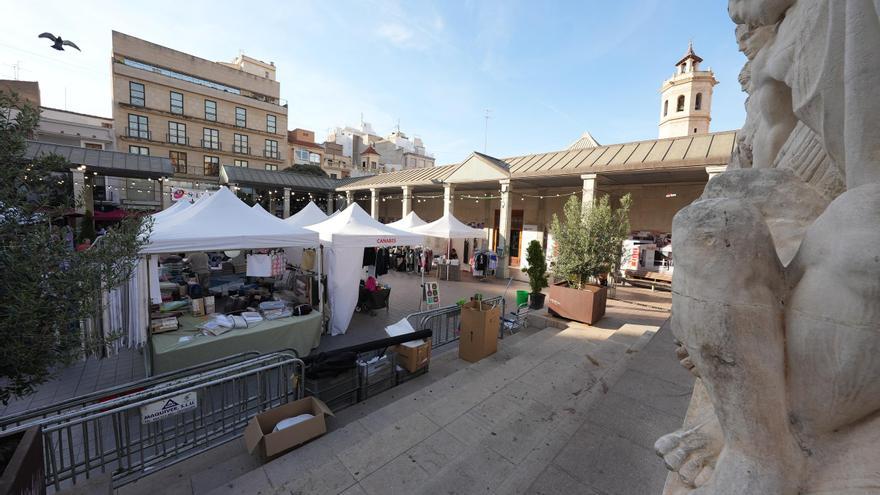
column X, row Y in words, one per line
column 182, row 194
column 390, row 241
column 171, row 406
column 432, row 293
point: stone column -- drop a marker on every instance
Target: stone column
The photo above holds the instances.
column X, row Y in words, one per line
column 271, row 204
column 349, row 198
column 79, row 186
column 406, row 202
column 589, row 194
column 374, row 203
column 542, row 211
column 286, row 202
column 164, row 193
column 448, row 191
column 715, row 170
column 330, row 205
column 504, row 230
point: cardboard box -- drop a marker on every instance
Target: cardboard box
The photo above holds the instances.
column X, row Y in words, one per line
column 259, row 435
column 479, row 330
column 166, row 324
column 413, row 356
column 209, row 305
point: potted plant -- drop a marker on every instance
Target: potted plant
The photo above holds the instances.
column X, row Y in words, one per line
column 589, row 244
column 537, row 272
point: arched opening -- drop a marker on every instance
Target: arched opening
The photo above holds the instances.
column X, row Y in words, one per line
column 665, row 107
column 679, row 107
column 698, row 102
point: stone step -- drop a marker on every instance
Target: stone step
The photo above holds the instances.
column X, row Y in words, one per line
column 499, row 411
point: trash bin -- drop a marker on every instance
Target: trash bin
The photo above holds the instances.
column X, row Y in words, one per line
column 522, row 297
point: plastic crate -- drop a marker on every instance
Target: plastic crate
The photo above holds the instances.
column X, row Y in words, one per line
column 338, row 391
column 402, row 375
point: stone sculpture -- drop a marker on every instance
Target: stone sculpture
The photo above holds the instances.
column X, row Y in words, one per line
column 776, row 293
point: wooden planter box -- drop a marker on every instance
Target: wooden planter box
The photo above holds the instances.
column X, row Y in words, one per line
column 585, row 305
column 25, row 472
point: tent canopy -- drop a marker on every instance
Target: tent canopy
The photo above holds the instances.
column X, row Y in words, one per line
column 220, row 222
column 353, row 227
column 449, row 227
column 408, row 222
column 171, row 210
column 309, row 215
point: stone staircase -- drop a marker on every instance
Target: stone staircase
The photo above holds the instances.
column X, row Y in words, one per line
column 493, row 426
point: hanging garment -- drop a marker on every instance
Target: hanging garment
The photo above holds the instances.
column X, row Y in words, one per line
column 493, row 261
column 308, row 259
column 259, row 265
column 369, row 256
column 382, row 262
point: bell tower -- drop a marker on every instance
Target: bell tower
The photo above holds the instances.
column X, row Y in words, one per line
column 686, row 98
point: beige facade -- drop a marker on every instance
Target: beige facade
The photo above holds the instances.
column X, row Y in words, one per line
column 302, row 148
column 686, row 98
column 335, row 164
column 200, row 114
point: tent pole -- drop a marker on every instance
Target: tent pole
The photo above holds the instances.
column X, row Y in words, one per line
column 320, row 279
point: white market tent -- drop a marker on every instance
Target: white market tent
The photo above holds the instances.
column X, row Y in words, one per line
column 171, row 210
column 344, row 236
column 309, row 215
column 221, row 222
column 449, row 227
column 408, row 222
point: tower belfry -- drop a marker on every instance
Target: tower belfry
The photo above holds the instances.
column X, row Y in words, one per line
column 686, row 98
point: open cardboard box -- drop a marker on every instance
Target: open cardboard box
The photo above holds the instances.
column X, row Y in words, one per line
column 259, row 434
column 414, row 355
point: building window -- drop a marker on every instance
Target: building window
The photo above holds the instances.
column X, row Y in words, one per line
column 176, row 103
column 269, row 166
column 665, row 107
column 698, row 101
column 695, row 130
column 240, row 163
column 679, row 107
column 139, row 190
column 177, row 133
column 138, row 126
column 136, row 94
column 211, row 139
column 333, row 176
column 212, row 165
column 178, row 160
column 139, row 150
column 271, row 150
column 315, row 158
column 93, row 146
column 271, row 123
column 211, row 110
column 240, row 145
column 302, row 155
column 240, row 117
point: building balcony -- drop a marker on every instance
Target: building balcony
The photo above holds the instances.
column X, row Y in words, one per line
column 177, row 139
column 212, row 145
column 138, row 133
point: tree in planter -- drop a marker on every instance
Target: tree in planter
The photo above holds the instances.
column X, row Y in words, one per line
column 47, row 287
column 537, row 272
column 589, row 241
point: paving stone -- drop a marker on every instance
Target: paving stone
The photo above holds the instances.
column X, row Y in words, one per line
column 383, row 446
column 215, row 474
column 444, row 410
column 658, row 393
column 330, row 478
column 478, row 470
column 354, row 490
column 554, row 481
column 402, row 476
column 253, row 482
column 633, row 419
column 522, row 432
column 436, row 451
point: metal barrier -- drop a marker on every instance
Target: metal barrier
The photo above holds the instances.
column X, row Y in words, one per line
column 106, row 394
column 140, row 433
column 445, row 322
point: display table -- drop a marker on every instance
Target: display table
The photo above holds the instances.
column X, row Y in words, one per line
column 168, row 353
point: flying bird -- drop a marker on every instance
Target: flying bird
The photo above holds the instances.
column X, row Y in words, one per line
column 58, row 43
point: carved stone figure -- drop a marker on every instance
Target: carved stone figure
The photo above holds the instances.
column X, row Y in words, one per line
column 776, row 293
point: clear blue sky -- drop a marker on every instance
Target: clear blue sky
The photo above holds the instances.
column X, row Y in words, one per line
column 547, row 70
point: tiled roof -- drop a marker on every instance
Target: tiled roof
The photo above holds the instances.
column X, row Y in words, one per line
column 112, row 163
column 698, row 150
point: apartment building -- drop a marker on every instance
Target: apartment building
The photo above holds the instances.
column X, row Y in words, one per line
column 200, row 114
column 336, row 164
column 303, row 150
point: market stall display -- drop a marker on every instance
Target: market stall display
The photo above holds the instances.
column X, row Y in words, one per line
column 449, row 227
column 344, row 237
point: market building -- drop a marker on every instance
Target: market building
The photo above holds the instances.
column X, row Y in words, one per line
column 198, row 113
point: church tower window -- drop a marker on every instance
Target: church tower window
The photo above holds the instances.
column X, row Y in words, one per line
column 665, row 107
column 679, row 107
column 698, row 102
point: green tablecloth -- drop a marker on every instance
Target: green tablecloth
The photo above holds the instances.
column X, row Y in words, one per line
column 168, row 353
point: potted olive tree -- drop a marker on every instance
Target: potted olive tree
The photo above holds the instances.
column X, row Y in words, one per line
column 589, row 244
column 537, row 272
